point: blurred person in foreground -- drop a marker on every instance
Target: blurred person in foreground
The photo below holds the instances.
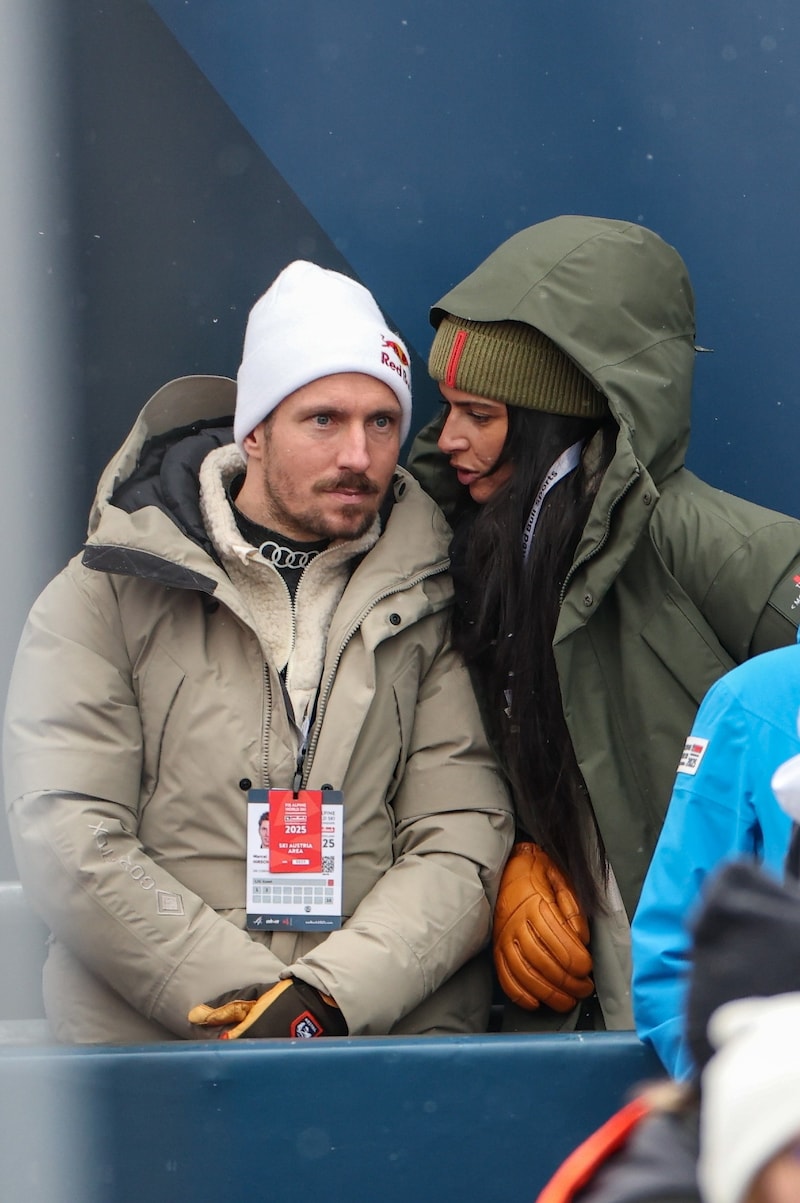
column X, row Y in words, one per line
column 750, row 1111
column 746, row 944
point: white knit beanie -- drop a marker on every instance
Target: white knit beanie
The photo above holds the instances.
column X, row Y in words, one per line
column 312, row 322
column 750, row 1103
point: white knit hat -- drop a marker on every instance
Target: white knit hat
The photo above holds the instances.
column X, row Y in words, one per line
column 750, row 1092
column 312, row 322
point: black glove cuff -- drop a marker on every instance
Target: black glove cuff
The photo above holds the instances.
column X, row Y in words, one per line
column 317, row 1012
column 299, row 1012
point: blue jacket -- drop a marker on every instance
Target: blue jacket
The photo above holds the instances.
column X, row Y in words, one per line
column 722, row 806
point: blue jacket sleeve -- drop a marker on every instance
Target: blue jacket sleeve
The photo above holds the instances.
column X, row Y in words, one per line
column 722, row 806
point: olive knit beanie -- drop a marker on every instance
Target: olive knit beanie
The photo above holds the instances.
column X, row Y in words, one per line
column 514, row 363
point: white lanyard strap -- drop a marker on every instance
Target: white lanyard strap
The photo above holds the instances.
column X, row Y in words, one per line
column 566, row 463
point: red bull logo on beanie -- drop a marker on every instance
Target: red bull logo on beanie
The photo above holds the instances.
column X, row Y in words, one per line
column 394, row 356
column 398, row 350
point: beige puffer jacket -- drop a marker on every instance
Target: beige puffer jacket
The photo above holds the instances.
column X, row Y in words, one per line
column 142, row 708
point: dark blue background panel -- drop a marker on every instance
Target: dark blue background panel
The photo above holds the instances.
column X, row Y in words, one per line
column 420, row 135
column 395, row 1120
column 180, row 222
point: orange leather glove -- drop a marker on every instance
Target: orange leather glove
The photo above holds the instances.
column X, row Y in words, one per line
column 540, row 934
column 291, row 1008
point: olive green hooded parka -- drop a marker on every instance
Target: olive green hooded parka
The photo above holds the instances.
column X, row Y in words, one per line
column 673, row 582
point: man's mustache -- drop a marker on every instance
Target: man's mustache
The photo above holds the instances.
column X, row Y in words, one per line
column 353, row 481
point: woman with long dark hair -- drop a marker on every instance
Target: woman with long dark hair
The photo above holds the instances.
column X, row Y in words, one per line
column 508, row 639
column 600, row 586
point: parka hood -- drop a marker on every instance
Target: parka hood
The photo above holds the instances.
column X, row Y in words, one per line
column 618, row 301
column 146, row 469
column 146, row 519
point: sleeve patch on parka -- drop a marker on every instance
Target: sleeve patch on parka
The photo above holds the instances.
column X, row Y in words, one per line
column 785, row 597
column 693, row 752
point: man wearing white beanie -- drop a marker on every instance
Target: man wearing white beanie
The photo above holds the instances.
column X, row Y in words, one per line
column 313, row 323
column 750, row 1111
column 255, row 640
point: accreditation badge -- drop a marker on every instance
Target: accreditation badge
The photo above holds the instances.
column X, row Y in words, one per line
column 294, row 859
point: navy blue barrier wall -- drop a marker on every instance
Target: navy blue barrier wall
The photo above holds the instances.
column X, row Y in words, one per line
column 484, row 1118
column 215, row 140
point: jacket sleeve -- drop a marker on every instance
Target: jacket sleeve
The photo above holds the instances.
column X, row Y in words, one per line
column 72, row 762
column 739, row 563
column 721, row 807
column 432, row 910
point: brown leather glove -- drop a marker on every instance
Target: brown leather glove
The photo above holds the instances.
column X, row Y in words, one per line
column 291, row 1008
column 540, row 934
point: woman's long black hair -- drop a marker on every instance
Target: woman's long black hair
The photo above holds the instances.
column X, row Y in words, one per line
column 505, row 622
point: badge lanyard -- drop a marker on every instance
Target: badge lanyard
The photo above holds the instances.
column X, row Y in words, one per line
column 566, row 463
column 302, row 729
column 294, row 880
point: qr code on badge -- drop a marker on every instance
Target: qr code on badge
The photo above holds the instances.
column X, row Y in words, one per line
column 327, row 864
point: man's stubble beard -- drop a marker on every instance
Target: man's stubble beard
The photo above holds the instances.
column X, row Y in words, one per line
column 313, row 520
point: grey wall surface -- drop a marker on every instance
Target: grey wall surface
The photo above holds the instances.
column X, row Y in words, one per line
column 41, row 419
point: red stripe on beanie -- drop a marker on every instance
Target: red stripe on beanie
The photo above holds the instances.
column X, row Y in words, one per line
column 455, row 358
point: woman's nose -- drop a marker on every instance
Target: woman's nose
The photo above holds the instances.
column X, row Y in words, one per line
column 451, row 439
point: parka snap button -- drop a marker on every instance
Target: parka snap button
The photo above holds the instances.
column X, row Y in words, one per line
column 648, row 497
column 327, row 785
column 588, row 600
column 245, row 783
column 395, row 620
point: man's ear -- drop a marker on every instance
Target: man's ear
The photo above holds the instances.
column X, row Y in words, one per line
column 253, row 443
